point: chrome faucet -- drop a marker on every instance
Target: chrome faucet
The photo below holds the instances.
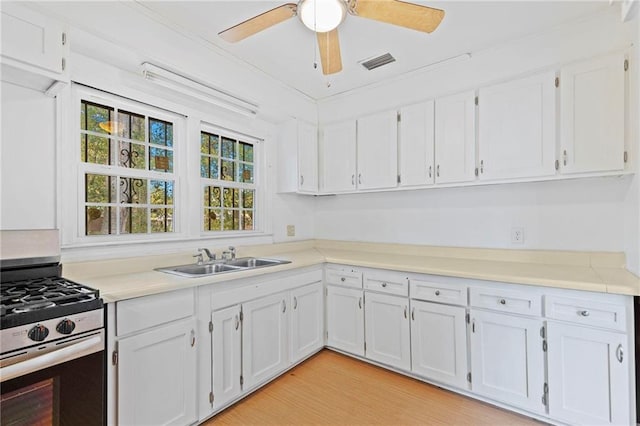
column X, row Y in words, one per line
column 230, row 254
column 210, row 256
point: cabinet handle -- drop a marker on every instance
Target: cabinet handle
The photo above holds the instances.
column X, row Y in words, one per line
column 237, row 322
column 430, row 167
column 284, row 306
column 437, row 292
column 481, row 166
column 301, row 180
column 584, row 313
column 438, row 170
column 343, row 279
column 384, row 284
column 619, row 353
column 564, row 157
column 360, row 303
column 503, row 302
column 193, row 338
column 359, row 178
column 405, row 312
column 473, row 326
column 413, row 314
column 353, row 180
column 295, row 303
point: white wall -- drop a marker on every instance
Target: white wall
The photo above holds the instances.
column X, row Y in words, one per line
column 27, row 159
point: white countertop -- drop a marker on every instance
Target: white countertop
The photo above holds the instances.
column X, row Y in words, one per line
column 121, row 279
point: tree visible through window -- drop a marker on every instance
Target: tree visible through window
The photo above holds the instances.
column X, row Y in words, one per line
column 128, row 180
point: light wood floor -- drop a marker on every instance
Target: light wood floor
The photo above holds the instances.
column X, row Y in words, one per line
column 333, row 389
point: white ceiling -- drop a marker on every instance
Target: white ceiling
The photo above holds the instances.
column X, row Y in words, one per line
column 287, row 51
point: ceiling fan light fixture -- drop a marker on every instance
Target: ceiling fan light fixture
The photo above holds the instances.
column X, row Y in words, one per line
column 322, row 16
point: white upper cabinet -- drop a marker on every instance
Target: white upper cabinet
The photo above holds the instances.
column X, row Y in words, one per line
column 517, row 128
column 416, row 144
column 32, row 41
column 298, row 157
column 455, row 138
column 378, row 150
column 338, row 157
column 592, row 115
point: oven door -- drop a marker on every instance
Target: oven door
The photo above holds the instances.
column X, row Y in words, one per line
column 61, row 383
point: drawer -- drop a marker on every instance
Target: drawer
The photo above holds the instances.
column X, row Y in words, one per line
column 506, row 300
column 586, row 312
column 344, row 277
column 387, row 282
column 453, row 294
column 144, row 312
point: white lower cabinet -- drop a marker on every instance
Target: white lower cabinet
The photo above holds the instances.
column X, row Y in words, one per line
column 507, row 359
column 439, row 342
column 264, row 338
column 345, row 319
column 157, row 376
column 387, row 332
column 226, row 351
column 307, row 321
column 589, row 377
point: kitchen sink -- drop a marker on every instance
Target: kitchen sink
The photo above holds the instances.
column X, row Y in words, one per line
column 234, row 265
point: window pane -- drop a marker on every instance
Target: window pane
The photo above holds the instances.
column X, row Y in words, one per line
column 230, row 197
column 228, row 148
column 231, row 220
column 204, row 167
column 133, row 220
column 99, row 189
column 131, row 125
column 161, row 192
column 95, row 149
column 247, row 222
column 213, row 168
column 100, row 220
column 96, row 118
column 204, row 143
column 159, row 132
column 212, row 219
column 246, row 152
column 247, row 198
column 131, row 155
column 137, row 127
column 212, row 196
column 228, row 170
column 133, row 191
column 245, row 173
column 161, row 160
column 161, row 220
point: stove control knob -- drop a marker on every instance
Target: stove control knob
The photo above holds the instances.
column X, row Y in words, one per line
column 38, row 333
column 65, row 326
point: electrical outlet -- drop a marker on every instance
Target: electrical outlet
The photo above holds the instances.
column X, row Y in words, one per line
column 291, row 230
column 517, row 235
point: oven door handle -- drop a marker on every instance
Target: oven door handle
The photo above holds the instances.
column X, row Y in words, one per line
column 84, row 347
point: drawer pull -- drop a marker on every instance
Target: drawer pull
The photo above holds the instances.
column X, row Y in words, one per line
column 584, row 313
column 619, row 353
column 405, row 312
column 437, row 292
column 503, row 302
column 384, row 284
column 193, row 338
column 343, row 279
column 360, row 303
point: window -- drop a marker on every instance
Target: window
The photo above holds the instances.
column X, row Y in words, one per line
column 127, row 169
column 227, row 169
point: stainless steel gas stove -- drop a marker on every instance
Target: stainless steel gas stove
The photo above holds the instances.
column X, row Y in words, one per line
column 52, row 337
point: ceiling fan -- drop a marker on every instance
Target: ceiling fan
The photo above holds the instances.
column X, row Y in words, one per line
column 324, row 16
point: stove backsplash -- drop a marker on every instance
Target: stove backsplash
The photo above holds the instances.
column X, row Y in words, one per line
column 25, row 247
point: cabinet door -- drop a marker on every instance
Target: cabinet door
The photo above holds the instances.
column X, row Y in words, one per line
column 387, row 330
column 307, row 321
column 439, row 342
column 338, row 157
column 592, row 115
column 307, row 157
column 416, row 142
column 517, row 128
column 455, row 138
column 378, row 151
column 31, row 38
column 588, row 375
column 157, row 376
column 264, row 338
column 345, row 319
column 227, row 355
column 507, row 360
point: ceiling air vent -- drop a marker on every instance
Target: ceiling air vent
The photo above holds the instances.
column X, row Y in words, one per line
column 378, row 61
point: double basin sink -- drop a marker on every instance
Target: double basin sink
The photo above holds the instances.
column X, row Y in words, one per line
column 221, row 267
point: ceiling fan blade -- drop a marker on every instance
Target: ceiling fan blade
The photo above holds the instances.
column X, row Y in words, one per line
column 329, row 46
column 259, row 23
column 408, row 15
